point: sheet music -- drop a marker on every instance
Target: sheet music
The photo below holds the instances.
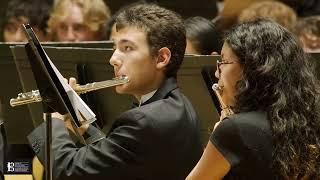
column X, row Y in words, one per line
column 80, row 107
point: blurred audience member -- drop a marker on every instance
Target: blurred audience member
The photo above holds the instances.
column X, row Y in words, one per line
column 277, row 11
column 78, row 20
column 202, row 36
column 230, row 12
column 308, row 31
column 34, row 12
column 304, row 8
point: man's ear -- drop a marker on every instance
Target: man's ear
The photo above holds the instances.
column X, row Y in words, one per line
column 164, row 56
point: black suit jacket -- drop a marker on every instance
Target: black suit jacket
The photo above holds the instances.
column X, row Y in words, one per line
column 158, row 140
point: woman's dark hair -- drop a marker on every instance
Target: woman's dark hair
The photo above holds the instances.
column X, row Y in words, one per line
column 203, row 34
column 279, row 78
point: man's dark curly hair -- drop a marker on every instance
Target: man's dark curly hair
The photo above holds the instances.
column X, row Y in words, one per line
column 279, row 78
column 163, row 28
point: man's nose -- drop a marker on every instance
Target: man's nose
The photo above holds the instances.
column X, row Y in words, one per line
column 20, row 36
column 115, row 60
column 217, row 73
column 71, row 35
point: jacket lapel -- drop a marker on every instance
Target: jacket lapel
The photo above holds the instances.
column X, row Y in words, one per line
column 168, row 85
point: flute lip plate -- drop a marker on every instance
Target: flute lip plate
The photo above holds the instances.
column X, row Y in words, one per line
column 216, row 86
column 126, row 78
column 123, row 77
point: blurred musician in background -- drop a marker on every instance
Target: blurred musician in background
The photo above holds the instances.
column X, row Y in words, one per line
column 308, row 31
column 33, row 12
column 78, row 20
column 203, row 36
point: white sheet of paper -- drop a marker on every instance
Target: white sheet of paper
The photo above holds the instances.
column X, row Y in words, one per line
column 78, row 104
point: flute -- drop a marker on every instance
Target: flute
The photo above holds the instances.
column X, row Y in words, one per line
column 34, row 95
column 224, row 108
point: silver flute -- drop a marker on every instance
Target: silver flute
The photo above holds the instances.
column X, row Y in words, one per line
column 34, row 95
column 218, row 90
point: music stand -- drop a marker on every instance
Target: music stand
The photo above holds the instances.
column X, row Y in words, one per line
column 195, row 78
column 54, row 96
column 11, row 79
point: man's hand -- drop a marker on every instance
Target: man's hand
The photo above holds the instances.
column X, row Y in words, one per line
column 83, row 128
column 68, row 124
column 66, row 117
column 59, row 116
column 73, row 82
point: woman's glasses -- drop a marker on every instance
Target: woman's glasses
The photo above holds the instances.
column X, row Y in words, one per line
column 221, row 62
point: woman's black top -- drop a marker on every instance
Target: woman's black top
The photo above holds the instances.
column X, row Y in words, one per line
column 245, row 140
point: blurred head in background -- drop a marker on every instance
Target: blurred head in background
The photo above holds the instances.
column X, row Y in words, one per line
column 308, row 31
column 33, row 12
column 277, row 11
column 78, row 20
column 202, row 36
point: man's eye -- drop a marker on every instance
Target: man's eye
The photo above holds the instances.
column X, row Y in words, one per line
column 80, row 27
column 63, row 27
column 11, row 28
column 127, row 48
